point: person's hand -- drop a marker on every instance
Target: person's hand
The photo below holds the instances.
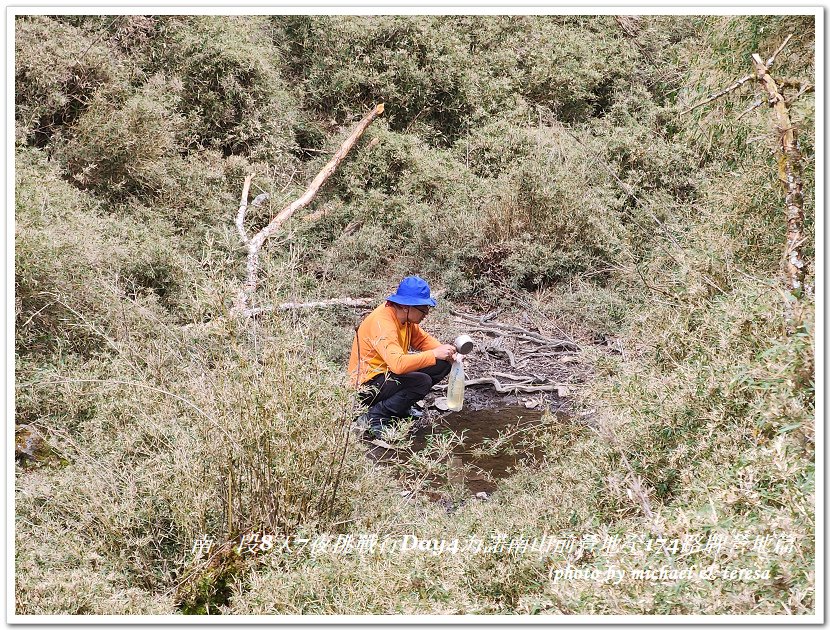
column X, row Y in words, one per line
column 446, row 352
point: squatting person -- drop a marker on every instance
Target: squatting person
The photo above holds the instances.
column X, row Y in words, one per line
column 390, row 378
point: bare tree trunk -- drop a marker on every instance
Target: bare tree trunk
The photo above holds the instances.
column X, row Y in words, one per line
column 789, row 174
column 254, row 244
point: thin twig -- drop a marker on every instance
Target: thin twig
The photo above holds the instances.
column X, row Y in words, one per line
column 35, row 314
column 752, row 107
column 723, row 92
column 486, row 325
column 98, row 39
column 771, row 60
column 807, row 87
column 511, row 388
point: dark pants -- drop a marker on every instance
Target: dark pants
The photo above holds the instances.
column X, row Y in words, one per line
column 391, row 395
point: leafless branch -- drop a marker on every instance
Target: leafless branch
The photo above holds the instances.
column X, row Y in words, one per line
column 789, row 174
column 255, row 243
column 771, row 60
column 285, row 306
column 510, row 388
column 243, row 207
column 807, row 87
column 723, row 92
column 751, row 108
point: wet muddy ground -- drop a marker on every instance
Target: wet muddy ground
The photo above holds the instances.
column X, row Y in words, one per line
column 494, row 442
column 516, row 362
column 464, row 454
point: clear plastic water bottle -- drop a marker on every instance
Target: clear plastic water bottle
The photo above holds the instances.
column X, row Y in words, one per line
column 455, row 387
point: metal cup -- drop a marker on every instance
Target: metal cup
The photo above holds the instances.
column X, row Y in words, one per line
column 463, row 344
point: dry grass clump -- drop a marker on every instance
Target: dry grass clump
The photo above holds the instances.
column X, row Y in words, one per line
column 200, row 435
column 62, row 566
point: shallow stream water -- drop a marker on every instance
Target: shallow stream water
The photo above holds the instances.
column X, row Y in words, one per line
column 494, row 442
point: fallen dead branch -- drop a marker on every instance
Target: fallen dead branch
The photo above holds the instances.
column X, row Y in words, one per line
column 550, row 343
column 723, row 92
column 347, row 301
column 508, row 330
column 254, row 243
column 285, row 306
column 535, row 360
column 514, row 377
column 789, row 174
column 510, row 388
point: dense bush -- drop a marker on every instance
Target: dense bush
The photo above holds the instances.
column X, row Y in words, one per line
column 414, row 65
column 493, row 148
column 123, row 148
column 232, row 96
column 58, row 69
column 74, row 264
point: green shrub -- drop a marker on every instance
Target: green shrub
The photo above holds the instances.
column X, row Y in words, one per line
column 58, row 70
column 125, row 148
column 132, row 35
column 567, row 69
column 421, row 67
column 233, row 98
column 492, row 149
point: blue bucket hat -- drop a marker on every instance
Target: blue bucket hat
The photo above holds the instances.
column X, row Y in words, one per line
column 412, row 291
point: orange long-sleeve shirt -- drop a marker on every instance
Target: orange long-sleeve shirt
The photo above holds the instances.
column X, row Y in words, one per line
column 382, row 345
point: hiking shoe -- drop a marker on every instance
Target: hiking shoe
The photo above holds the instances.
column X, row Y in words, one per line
column 415, row 412
column 376, row 427
column 360, row 425
column 375, row 430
